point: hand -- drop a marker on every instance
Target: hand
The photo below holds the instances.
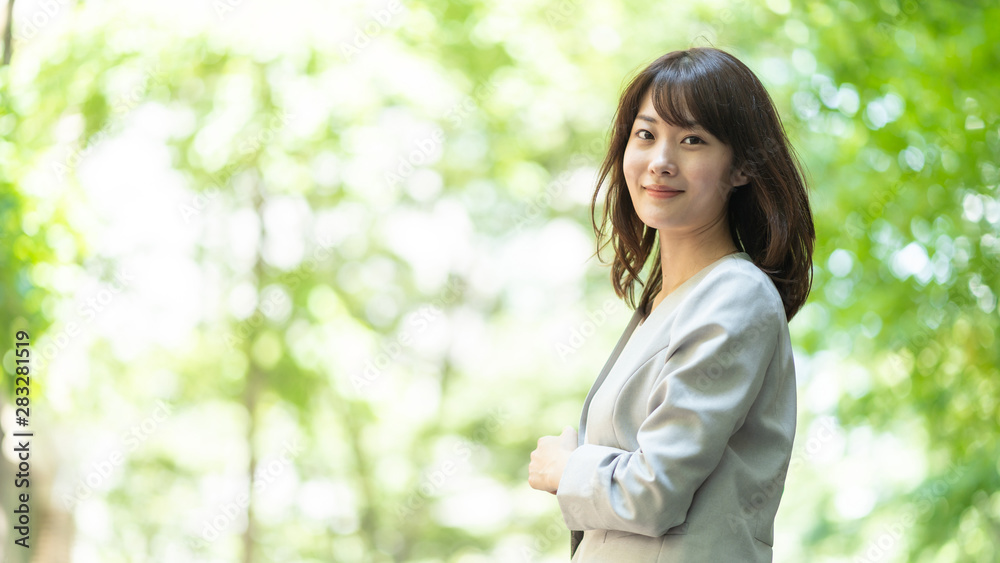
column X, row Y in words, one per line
column 548, row 461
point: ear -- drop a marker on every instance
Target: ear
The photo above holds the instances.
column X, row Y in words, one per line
column 738, row 178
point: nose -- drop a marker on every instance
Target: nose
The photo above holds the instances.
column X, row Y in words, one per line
column 663, row 162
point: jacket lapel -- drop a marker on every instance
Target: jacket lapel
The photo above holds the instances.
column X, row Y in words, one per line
column 636, row 317
column 577, row 535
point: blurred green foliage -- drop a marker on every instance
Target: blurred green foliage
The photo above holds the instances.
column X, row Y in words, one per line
column 435, row 159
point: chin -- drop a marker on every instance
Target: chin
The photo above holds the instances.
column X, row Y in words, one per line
column 653, row 221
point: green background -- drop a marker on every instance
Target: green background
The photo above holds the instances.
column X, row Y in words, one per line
column 345, row 249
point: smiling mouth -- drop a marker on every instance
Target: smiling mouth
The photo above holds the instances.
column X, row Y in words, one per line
column 662, row 189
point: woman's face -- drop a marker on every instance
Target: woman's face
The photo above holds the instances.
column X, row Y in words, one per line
column 679, row 179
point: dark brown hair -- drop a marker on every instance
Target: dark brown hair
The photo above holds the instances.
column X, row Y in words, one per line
column 769, row 217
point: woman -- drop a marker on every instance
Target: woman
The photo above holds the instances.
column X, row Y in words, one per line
column 687, row 432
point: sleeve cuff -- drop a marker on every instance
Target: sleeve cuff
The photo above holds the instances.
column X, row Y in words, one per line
column 576, row 486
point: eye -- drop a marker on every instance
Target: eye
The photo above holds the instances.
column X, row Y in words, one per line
column 641, row 131
column 693, row 140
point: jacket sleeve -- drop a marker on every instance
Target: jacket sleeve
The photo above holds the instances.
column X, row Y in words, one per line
column 720, row 347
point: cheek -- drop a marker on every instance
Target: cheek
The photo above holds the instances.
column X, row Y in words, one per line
column 709, row 174
column 632, row 166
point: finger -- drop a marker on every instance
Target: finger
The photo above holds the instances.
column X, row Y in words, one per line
column 569, row 439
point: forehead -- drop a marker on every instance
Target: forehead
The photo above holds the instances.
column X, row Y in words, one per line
column 671, row 108
column 646, row 105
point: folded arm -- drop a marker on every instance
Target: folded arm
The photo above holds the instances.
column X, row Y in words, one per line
column 714, row 368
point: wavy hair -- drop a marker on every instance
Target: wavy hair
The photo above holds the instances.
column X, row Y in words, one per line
column 769, row 217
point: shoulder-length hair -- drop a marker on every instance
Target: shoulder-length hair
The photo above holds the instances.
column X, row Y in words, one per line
column 769, row 217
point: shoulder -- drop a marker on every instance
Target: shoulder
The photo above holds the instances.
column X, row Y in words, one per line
column 737, row 296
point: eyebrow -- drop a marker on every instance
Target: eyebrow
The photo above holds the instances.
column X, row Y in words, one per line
column 645, row 117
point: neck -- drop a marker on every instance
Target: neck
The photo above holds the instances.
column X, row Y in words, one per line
column 684, row 255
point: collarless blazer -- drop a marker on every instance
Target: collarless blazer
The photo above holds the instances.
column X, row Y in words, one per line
column 686, row 436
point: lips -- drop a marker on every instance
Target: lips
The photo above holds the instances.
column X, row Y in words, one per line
column 661, row 188
column 661, row 191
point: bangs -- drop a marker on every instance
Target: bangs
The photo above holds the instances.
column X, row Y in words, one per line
column 685, row 95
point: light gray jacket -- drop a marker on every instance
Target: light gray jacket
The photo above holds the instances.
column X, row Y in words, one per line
column 686, row 436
